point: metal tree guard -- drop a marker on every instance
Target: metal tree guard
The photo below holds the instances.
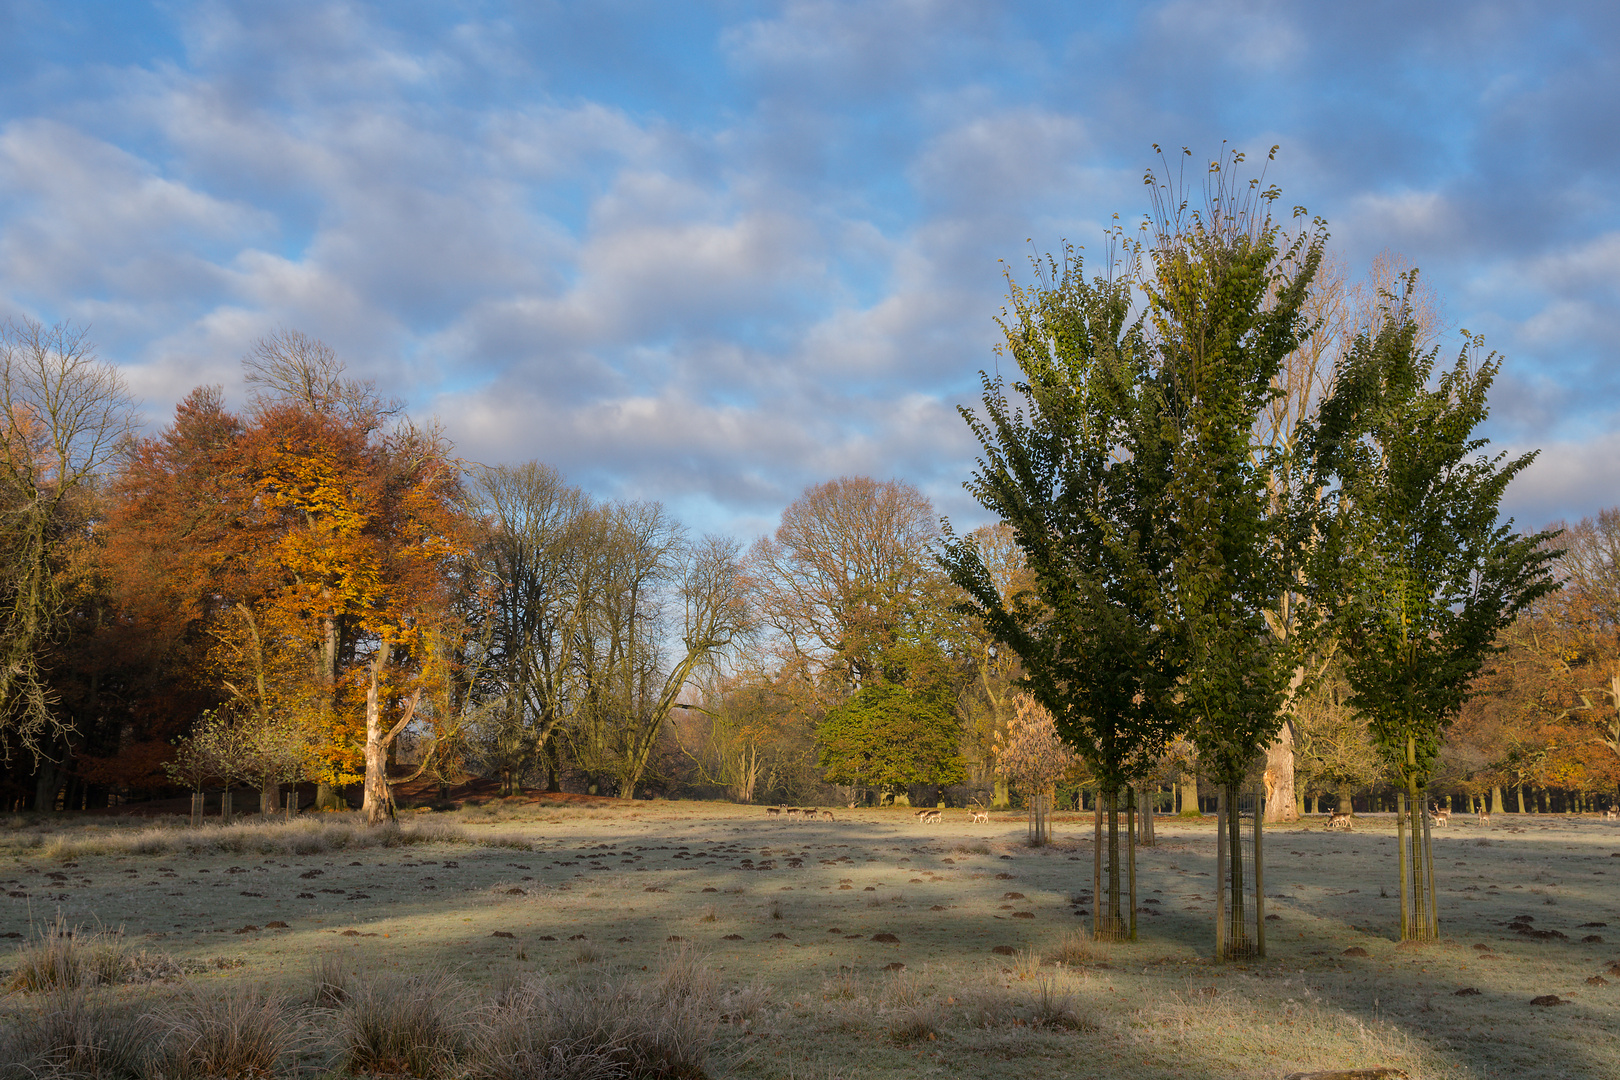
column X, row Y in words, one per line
column 1106, row 924
column 1240, row 893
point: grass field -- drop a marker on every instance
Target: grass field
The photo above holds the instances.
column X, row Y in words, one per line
column 868, row 946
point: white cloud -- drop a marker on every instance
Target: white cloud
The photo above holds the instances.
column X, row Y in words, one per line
column 1569, row 480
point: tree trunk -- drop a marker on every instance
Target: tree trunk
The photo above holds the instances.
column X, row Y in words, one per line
column 326, row 797
column 46, row 786
column 1003, row 795
column 269, row 798
column 378, row 802
column 1144, row 818
column 1280, row 802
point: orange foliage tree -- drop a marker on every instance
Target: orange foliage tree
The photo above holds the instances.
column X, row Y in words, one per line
column 311, row 545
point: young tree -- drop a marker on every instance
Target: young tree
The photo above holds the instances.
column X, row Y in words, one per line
column 1033, row 755
column 1077, row 466
column 1419, row 572
column 1225, row 309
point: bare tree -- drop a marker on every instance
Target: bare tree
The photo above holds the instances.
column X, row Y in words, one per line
column 842, row 574
column 64, row 414
column 635, row 655
column 540, row 534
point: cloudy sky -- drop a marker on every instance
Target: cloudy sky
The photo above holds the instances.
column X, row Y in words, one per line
column 712, row 253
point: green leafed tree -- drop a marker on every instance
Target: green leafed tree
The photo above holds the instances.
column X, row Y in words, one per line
column 1075, row 462
column 1417, row 567
column 1225, row 291
column 884, row 737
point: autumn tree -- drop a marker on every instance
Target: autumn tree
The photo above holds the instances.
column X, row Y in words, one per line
column 1589, row 570
column 845, row 579
column 1034, row 756
column 987, row 701
column 308, row 544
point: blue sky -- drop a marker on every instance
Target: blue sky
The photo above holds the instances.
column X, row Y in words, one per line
column 712, row 253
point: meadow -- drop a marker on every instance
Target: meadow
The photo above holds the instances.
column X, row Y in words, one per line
column 695, row 938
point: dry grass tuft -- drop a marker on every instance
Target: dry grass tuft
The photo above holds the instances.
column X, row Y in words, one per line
column 1077, row 949
column 242, row 1033
column 331, row 978
column 401, row 1026
column 67, row 1034
column 913, row 1013
column 603, row 1030
column 840, row 986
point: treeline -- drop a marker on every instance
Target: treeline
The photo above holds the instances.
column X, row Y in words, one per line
column 311, row 588
column 260, row 597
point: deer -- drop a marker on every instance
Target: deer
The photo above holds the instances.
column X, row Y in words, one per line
column 773, row 811
column 930, row 817
column 1484, row 816
column 1339, row 819
column 1612, row 814
column 827, row 815
column 978, row 816
column 793, row 812
column 1441, row 815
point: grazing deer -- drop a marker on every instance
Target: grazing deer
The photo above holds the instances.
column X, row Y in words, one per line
column 793, row 812
column 930, row 817
column 1441, row 815
column 978, row 816
column 827, row 815
column 1339, row 820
